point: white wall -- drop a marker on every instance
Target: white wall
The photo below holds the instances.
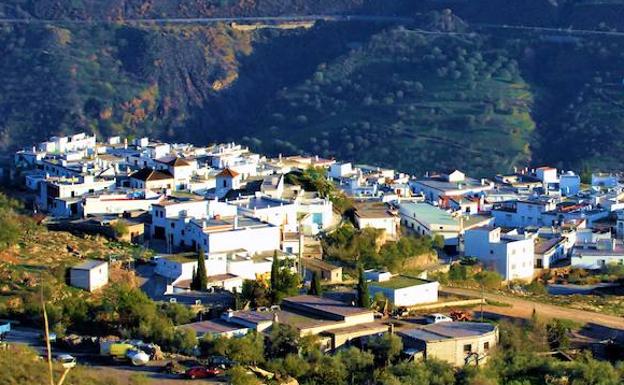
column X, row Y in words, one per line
column 254, row 240
column 408, row 296
column 511, row 258
column 387, row 224
column 111, row 204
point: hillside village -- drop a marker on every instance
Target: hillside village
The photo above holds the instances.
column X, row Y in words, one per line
column 225, row 225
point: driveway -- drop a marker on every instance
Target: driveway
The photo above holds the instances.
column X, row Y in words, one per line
column 522, row 308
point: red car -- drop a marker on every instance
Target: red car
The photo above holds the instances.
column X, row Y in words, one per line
column 202, row 372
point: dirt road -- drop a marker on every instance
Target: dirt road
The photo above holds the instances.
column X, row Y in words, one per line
column 523, row 308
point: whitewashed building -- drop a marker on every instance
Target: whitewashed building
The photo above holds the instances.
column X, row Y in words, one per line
column 511, row 255
column 89, row 275
column 403, row 290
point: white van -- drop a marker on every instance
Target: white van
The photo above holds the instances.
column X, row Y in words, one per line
column 437, row 318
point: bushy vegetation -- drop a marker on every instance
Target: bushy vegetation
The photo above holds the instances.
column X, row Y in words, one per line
column 351, row 246
column 315, row 179
column 118, row 310
column 11, row 222
column 384, row 106
column 516, row 361
column 283, row 282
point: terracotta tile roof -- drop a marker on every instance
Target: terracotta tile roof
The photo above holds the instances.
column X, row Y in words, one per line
column 148, row 174
column 228, row 172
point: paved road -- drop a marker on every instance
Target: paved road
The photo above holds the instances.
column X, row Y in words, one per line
column 522, row 308
column 213, row 20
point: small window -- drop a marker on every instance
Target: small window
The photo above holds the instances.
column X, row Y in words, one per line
column 486, row 346
column 173, row 225
column 467, row 348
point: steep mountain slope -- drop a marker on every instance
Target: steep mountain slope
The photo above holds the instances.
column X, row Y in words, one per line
column 111, row 79
column 438, row 92
column 122, row 9
column 410, row 100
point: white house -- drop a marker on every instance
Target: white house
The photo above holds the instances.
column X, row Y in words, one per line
column 549, row 251
column 150, row 179
column 453, row 184
column 598, row 255
column 425, row 219
column 511, row 255
column 227, row 180
column 547, row 175
column 604, row 180
column 340, row 170
column 403, row 290
column 377, row 215
column 89, row 275
column 116, row 203
column 318, row 213
column 53, row 189
column 181, row 169
column 62, row 144
column 523, row 213
column 278, row 212
column 569, row 184
column 234, row 233
column 180, row 267
column 273, row 185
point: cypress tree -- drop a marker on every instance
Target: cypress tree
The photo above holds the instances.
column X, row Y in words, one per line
column 194, row 280
column 275, row 284
column 315, row 285
column 362, row 289
column 202, row 275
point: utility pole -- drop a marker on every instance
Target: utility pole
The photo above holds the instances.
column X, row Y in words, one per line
column 47, row 336
column 482, row 299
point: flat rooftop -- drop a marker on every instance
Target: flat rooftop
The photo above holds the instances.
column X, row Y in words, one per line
column 372, row 210
column 315, row 263
column 430, row 214
column 444, row 185
column 314, row 304
column 399, row 282
column 544, row 245
column 88, row 265
column 260, row 203
column 181, row 257
column 212, row 326
column 448, row 330
column 228, row 223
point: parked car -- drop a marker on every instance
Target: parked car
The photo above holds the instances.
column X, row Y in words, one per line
column 66, row 360
column 437, row 318
column 203, row 372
